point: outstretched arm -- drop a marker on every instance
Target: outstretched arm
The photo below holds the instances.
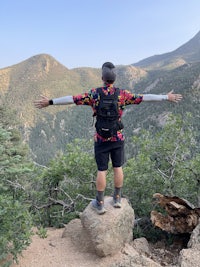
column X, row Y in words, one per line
column 44, row 101
column 170, row 97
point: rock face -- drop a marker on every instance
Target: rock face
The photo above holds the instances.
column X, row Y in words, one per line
column 133, row 258
column 190, row 257
column 109, row 232
column 195, row 237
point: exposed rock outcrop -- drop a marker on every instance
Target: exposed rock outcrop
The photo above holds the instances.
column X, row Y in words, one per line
column 103, row 234
column 111, row 231
column 190, row 257
column 132, row 258
column 109, row 238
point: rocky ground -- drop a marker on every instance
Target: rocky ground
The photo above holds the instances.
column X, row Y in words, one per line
column 80, row 242
column 56, row 251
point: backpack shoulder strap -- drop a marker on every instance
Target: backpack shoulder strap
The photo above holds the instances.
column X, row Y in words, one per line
column 117, row 91
column 98, row 91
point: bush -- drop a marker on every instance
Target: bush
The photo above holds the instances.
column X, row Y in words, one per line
column 15, row 227
column 15, row 220
column 65, row 187
column 166, row 163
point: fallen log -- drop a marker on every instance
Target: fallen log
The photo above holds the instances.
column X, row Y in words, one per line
column 181, row 216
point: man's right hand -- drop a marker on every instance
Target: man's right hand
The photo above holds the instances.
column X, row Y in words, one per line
column 43, row 102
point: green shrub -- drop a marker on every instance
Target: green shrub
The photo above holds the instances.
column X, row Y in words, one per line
column 15, row 220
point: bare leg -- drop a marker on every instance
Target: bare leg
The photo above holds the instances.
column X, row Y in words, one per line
column 101, row 180
column 118, row 177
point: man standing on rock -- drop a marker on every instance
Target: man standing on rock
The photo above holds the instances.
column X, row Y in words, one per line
column 108, row 103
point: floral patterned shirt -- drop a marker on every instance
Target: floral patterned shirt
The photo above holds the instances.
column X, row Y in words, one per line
column 125, row 98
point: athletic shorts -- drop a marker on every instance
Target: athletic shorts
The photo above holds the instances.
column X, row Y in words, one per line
column 109, row 150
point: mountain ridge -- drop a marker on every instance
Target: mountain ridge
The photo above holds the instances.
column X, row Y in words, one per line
column 24, row 82
column 186, row 53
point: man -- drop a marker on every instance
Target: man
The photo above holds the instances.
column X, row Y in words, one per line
column 109, row 145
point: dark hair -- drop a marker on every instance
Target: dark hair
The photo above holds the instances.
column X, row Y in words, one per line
column 108, row 74
column 108, row 65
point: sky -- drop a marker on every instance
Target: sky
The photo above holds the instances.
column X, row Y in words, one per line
column 87, row 33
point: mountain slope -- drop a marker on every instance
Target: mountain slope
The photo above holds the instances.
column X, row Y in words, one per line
column 49, row 130
column 22, row 83
column 76, row 122
column 188, row 52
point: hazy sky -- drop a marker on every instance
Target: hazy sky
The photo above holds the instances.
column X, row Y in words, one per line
column 86, row 33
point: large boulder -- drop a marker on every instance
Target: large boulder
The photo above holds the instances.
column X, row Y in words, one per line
column 78, row 236
column 109, row 232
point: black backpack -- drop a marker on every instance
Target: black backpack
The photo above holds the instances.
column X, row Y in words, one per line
column 107, row 114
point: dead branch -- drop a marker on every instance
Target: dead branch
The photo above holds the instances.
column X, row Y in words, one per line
column 15, row 185
column 182, row 217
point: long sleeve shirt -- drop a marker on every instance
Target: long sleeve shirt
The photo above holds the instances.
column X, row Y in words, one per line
column 92, row 99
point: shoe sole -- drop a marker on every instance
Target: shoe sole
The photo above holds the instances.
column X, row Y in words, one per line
column 100, row 212
column 117, row 205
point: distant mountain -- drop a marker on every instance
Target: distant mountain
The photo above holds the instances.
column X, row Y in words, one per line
column 49, row 130
column 54, row 131
column 187, row 53
column 22, row 83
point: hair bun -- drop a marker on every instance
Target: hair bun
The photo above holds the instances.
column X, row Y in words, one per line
column 108, row 65
column 108, row 75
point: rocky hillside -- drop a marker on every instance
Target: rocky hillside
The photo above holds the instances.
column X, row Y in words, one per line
column 22, row 83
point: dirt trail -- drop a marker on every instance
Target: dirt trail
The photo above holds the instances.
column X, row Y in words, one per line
column 68, row 247
column 55, row 251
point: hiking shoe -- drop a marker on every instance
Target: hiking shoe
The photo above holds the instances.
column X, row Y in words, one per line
column 117, row 201
column 98, row 206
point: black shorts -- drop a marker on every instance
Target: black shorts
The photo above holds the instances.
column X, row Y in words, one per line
column 104, row 150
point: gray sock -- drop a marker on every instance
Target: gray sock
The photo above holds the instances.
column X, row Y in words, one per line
column 118, row 191
column 100, row 195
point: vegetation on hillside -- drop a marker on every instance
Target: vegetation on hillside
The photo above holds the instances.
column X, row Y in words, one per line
column 166, row 162
column 53, row 132
column 48, row 169
column 15, row 218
